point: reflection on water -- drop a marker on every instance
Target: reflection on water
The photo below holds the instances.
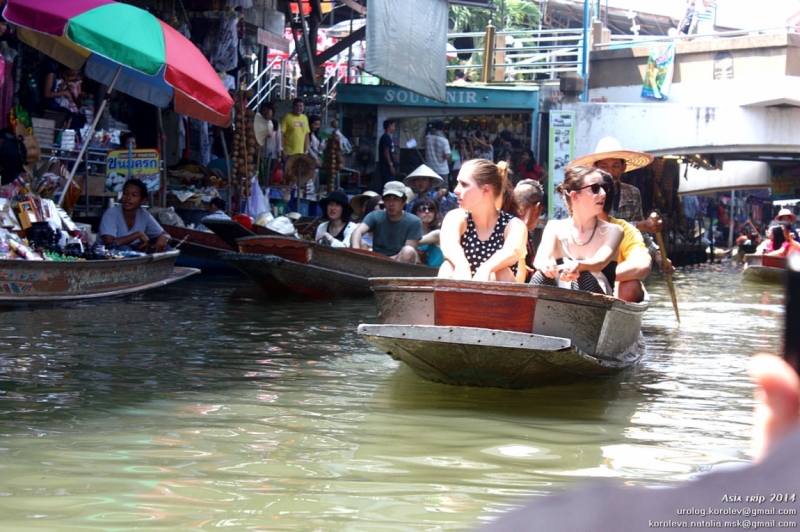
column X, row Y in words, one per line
column 208, row 404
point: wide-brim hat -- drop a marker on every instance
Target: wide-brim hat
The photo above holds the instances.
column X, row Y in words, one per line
column 282, row 225
column 610, row 148
column 355, row 203
column 424, row 171
column 300, row 166
column 787, row 212
column 337, row 196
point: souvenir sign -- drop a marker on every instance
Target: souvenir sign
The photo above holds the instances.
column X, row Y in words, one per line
column 143, row 164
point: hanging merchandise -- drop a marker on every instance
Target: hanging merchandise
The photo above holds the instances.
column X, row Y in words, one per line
column 225, row 56
column 244, row 143
column 332, row 157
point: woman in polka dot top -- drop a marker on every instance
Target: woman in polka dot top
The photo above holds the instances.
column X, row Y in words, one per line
column 479, row 241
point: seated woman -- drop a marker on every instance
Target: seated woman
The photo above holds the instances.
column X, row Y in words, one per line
column 374, row 203
column 774, row 241
column 336, row 229
column 479, row 241
column 577, row 249
column 529, row 169
column 427, row 211
column 127, row 226
column 782, row 240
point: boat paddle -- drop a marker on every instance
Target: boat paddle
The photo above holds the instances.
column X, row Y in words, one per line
column 666, row 268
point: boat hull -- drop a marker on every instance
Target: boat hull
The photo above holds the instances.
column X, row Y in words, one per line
column 465, row 356
column 201, row 250
column 314, row 270
column 504, row 335
column 765, row 269
column 45, row 281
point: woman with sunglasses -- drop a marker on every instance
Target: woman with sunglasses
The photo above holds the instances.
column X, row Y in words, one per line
column 577, row 249
column 480, row 241
column 428, row 212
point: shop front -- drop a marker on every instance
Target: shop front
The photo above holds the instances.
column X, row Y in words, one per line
column 471, row 110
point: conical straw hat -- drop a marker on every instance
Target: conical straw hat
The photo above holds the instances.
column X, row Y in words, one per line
column 263, row 128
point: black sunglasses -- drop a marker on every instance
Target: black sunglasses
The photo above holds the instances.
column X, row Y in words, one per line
column 596, row 188
column 425, row 208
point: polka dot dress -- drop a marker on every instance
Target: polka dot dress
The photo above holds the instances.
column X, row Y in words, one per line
column 478, row 251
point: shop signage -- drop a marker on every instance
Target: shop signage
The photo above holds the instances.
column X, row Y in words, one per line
column 143, row 164
column 562, row 142
column 272, row 41
column 785, row 183
column 462, row 97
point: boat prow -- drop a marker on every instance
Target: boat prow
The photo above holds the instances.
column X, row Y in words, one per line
column 767, row 269
column 504, row 335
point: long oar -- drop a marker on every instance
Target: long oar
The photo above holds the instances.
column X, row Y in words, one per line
column 665, row 266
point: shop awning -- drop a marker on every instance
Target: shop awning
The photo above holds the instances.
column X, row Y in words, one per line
column 735, row 175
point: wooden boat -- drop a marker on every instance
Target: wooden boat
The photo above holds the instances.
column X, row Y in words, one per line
column 310, row 269
column 504, row 335
column 200, row 249
column 25, row 281
column 760, row 268
column 231, row 231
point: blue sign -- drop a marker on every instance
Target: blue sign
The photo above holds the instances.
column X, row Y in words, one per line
column 462, row 96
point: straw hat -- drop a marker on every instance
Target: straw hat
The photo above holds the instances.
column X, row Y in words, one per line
column 263, row 128
column 282, row 225
column 410, row 195
column 787, row 212
column 424, row 171
column 356, row 202
column 299, row 165
column 610, row 148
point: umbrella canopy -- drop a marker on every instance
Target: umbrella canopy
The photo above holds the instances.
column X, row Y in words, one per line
column 158, row 64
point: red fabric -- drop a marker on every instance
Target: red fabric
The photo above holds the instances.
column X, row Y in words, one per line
column 243, row 220
column 524, row 174
column 48, row 16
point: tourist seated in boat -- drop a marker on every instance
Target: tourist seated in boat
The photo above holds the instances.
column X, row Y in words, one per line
column 359, row 203
column 634, row 261
column 479, row 241
column 216, row 211
column 579, row 249
column 781, row 241
column 337, row 228
column 374, row 203
column 428, row 184
column 128, row 227
column 395, row 232
column 529, row 196
column 427, row 210
column 787, row 216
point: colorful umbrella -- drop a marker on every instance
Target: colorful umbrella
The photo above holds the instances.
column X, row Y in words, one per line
column 152, row 61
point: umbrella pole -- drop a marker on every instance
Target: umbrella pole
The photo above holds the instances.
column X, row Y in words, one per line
column 162, row 185
column 85, row 143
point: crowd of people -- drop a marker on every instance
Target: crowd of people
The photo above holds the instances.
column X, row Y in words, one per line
column 484, row 228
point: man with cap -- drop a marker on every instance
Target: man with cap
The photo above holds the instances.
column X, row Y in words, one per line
column 610, row 156
column 395, row 233
column 427, row 184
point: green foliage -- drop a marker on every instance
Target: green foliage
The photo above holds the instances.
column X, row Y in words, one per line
column 515, row 14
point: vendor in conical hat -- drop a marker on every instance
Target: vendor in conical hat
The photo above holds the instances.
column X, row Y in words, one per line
column 429, row 184
column 611, row 157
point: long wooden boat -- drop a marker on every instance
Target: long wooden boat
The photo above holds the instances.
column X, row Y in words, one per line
column 200, row 249
column 314, row 270
column 24, row 281
column 231, row 231
column 504, row 335
column 768, row 269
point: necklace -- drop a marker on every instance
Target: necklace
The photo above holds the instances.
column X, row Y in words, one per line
column 575, row 241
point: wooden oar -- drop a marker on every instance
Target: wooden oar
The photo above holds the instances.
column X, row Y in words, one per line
column 665, row 266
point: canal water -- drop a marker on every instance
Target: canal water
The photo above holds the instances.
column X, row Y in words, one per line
column 208, row 404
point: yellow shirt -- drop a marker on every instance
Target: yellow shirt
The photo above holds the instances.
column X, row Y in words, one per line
column 294, row 129
column 632, row 241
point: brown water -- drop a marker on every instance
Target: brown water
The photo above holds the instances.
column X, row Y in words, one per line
column 208, row 405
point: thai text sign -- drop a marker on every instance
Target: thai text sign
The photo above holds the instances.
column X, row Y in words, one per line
column 141, row 164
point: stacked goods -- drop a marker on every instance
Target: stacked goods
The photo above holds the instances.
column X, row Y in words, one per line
column 333, row 161
column 244, row 143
